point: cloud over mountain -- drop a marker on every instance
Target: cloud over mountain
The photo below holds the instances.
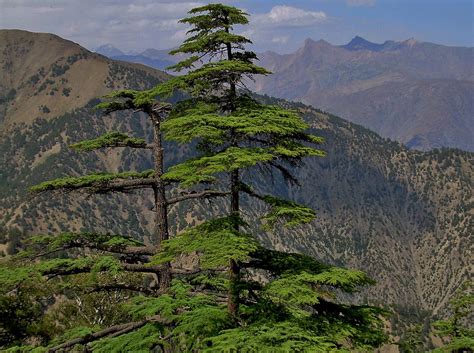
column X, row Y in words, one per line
column 289, row 16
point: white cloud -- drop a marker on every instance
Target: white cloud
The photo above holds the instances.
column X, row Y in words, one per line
column 281, row 24
column 280, row 39
column 128, row 24
column 288, row 16
column 134, row 25
column 360, row 2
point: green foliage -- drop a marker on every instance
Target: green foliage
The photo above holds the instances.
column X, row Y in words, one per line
column 341, row 330
column 17, row 316
column 200, row 120
column 93, row 264
column 289, row 212
column 22, row 293
column 142, row 340
column 92, row 180
column 41, row 244
column 216, row 15
column 457, row 329
column 110, row 139
column 203, row 169
column 305, row 288
column 26, row 349
column 218, row 282
column 240, row 296
column 278, row 262
column 411, row 341
column 458, row 344
column 13, row 275
column 193, row 317
column 282, row 337
column 216, row 241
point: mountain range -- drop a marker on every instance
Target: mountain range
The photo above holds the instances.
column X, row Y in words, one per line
column 158, row 59
column 402, row 215
column 421, row 94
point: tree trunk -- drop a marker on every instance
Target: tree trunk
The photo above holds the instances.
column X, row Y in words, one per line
column 161, row 212
column 234, row 268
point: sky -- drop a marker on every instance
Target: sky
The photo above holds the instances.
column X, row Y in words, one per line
column 281, row 26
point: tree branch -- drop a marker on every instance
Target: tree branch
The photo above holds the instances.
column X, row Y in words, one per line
column 120, row 286
column 97, row 187
column 51, row 273
column 197, row 195
column 122, row 186
column 112, row 331
column 124, row 144
column 123, row 250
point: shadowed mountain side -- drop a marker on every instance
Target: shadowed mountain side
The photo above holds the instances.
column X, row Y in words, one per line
column 423, row 114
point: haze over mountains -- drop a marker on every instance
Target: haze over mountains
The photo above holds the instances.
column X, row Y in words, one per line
column 404, row 216
column 421, row 94
column 158, row 59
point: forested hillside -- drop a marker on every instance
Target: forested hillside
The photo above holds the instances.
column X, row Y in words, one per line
column 403, row 216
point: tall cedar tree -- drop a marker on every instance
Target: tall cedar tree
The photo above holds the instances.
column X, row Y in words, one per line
column 240, row 297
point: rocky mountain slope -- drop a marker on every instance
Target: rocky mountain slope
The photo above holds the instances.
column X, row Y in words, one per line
column 43, row 76
column 404, row 216
column 420, row 94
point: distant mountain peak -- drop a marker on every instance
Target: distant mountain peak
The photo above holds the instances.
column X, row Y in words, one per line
column 109, row 50
column 410, row 42
column 150, row 52
column 359, row 43
column 311, row 42
column 359, row 40
column 310, row 45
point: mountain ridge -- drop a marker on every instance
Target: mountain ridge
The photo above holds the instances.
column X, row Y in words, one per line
column 372, row 87
column 37, row 71
column 388, row 87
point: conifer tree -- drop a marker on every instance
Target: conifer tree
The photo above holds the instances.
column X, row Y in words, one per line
column 249, row 134
column 457, row 330
column 241, row 296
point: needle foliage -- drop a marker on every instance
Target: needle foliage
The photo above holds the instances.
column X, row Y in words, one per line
column 238, row 296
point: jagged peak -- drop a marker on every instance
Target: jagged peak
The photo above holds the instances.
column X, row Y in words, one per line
column 359, row 43
column 359, row 39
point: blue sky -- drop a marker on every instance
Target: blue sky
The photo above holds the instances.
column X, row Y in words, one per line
column 282, row 26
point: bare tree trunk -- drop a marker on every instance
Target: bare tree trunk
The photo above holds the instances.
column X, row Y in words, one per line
column 161, row 212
